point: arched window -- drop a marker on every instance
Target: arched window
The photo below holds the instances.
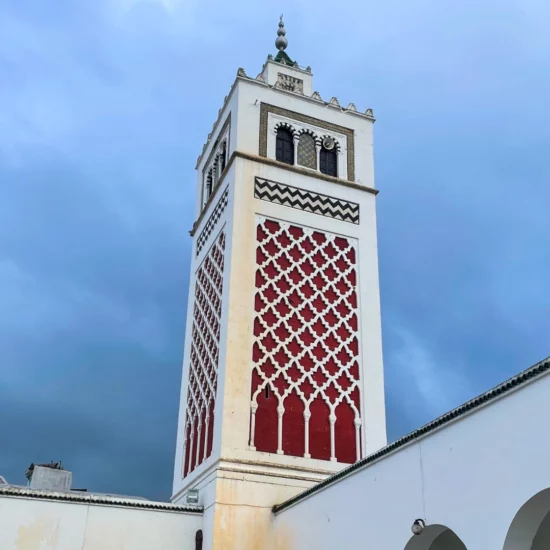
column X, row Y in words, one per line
column 217, row 170
column 307, row 154
column 198, row 540
column 285, row 146
column 328, row 162
column 208, row 185
column 223, row 158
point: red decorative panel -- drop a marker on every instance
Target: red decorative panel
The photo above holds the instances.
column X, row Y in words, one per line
column 203, row 367
column 305, row 380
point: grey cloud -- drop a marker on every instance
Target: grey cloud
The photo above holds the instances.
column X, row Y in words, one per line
column 103, row 110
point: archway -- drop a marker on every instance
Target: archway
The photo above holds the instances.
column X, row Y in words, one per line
column 435, row 537
column 530, row 528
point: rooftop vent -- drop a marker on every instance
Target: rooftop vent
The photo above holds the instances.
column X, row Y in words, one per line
column 49, row 477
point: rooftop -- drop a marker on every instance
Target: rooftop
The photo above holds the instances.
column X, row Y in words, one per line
column 17, row 491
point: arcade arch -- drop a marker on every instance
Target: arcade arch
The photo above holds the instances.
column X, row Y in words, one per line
column 436, row 537
column 530, row 528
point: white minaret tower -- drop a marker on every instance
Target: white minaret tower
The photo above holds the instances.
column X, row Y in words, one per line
column 282, row 372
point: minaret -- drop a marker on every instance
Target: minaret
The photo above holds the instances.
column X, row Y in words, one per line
column 282, row 372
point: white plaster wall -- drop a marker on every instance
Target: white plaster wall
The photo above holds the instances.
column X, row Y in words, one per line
column 272, row 70
column 251, row 94
column 472, row 476
column 32, row 524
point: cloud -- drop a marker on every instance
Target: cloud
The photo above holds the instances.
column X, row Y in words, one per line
column 104, row 107
column 420, row 385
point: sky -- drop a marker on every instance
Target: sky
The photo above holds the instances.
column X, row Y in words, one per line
column 104, row 108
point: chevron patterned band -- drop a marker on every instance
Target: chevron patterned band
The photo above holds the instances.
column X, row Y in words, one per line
column 316, row 203
column 212, row 221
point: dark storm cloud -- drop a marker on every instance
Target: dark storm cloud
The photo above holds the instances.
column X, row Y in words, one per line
column 104, row 107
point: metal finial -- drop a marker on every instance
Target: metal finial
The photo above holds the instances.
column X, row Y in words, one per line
column 281, row 43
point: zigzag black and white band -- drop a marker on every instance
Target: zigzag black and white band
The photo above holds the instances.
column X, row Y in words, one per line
column 308, row 201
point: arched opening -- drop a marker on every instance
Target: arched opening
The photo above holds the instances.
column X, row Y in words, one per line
column 208, row 184
column 198, row 540
column 435, row 537
column 328, row 162
column 530, row 528
column 285, row 146
column 223, row 157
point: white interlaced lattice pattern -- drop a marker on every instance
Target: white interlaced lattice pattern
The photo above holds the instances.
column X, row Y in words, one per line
column 305, row 385
column 203, row 365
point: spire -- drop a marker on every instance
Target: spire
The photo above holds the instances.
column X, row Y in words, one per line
column 281, row 44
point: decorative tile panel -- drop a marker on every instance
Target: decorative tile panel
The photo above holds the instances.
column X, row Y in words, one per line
column 305, row 397
column 203, row 365
column 210, row 225
column 307, row 151
column 308, row 201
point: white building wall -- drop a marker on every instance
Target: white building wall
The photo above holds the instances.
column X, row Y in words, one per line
column 472, row 476
column 33, row 524
column 272, row 69
column 252, row 94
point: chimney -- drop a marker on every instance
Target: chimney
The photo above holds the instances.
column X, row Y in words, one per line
column 49, row 477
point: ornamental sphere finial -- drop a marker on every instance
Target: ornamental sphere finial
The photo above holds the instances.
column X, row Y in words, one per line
column 281, row 43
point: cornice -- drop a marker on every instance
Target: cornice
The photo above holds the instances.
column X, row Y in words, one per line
column 90, row 498
column 270, row 162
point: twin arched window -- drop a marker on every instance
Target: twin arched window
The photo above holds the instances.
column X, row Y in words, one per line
column 306, row 152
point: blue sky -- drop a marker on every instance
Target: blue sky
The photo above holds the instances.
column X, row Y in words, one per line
column 104, row 107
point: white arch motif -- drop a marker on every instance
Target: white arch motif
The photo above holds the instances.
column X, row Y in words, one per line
column 436, row 537
column 527, row 527
column 286, row 126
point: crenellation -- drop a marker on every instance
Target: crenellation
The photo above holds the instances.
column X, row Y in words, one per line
column 317, row 97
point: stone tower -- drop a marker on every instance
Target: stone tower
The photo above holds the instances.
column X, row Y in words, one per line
column 282, row 373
